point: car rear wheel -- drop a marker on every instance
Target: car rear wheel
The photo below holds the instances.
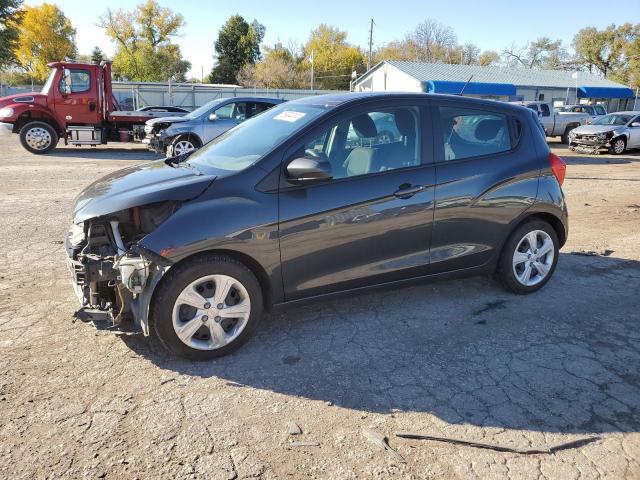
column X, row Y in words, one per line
column 618, row 146
column 207, row 307
column 529, row 257
column 38, row 137
column 565, row 136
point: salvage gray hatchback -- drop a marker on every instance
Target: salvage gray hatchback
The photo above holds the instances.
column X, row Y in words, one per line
column 310, row 198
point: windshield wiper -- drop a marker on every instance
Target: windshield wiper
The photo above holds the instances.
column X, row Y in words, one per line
column 179, row 161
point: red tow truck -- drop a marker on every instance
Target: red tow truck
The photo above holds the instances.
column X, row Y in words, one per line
column 76, row 104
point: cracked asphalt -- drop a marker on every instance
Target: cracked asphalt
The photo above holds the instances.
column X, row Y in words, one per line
column 461, row 359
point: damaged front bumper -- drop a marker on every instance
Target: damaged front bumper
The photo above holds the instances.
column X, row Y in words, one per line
column 113, row 286
column 156, row 143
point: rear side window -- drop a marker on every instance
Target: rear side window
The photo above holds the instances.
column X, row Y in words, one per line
column 468, row 133
column 545, row 110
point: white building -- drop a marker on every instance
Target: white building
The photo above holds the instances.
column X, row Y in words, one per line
column 499, row 83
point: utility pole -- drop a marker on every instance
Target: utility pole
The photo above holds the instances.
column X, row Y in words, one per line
column 370, row 44
column 311, row 59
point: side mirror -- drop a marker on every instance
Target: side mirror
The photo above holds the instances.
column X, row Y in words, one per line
column 213, row 117
column 67, row 81
column 635, row 124
column 307, row 170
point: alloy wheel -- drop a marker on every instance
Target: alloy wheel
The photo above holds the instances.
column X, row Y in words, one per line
column 618, row 146
column 211, row 312
column 533, row 258
column 183, row 146
column 38, row 138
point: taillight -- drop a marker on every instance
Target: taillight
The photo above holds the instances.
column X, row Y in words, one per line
column 558, row 167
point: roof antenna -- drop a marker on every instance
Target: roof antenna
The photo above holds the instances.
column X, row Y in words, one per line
column 465, row 85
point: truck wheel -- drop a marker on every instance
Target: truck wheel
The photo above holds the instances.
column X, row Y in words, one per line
column 38, row 137
column 618, row 146
column 184, row 144
column 206, row 307
column 565, row 135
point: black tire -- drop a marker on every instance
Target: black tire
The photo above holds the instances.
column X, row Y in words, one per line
column 565, row 136
column 184, row 274
column 505, row 271
column 615, row 145
column 29, row 128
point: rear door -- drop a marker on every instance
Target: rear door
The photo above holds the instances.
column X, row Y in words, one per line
column 486, row 175
column 372, row 222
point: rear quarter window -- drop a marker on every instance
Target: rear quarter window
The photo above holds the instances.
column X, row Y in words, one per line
column 468, row 133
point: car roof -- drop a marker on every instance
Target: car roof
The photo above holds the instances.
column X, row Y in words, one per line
column 338, row 99
column 627, row 112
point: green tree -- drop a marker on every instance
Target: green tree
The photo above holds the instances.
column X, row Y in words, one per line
column 46, row 35
column 237, row 45
column 97, row 55
column 334, row 59
column 10, row 19
column 604, row 50
column 144, row 51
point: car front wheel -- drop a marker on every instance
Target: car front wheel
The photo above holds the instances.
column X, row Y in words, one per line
column 38, row 137
column 618, row 146
column 529, row 257
column 207, row 307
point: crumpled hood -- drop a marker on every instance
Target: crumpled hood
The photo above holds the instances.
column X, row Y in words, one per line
column 155, row 121
column 139, row 185
column 594, row 129
column 13, row 99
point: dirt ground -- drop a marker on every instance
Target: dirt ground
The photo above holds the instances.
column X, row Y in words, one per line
column 461, row 359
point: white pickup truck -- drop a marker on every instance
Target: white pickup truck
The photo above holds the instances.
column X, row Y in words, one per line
column 556, row 124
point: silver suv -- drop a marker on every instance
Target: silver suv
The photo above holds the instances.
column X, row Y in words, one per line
column 177, row 135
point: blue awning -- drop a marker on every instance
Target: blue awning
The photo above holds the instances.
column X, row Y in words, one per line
column 605, row 92
column 473, row 88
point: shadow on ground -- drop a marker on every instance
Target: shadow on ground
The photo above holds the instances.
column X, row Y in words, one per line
column 97, row 153
column 565, row 359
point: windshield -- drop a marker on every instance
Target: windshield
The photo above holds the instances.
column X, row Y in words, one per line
column 612, row 119
column 245, row 144
column 205, row 108
column 47, row 84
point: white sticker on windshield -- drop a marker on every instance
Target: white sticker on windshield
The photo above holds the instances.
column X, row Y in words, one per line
column 289, row 116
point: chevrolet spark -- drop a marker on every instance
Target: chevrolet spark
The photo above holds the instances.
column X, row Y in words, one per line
column 310, row 199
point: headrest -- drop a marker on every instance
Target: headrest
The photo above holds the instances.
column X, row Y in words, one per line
column 488, row 129
column 364, row 126
column 405, row 123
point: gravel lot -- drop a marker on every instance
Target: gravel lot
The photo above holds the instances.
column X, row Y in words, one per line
column 460, row 359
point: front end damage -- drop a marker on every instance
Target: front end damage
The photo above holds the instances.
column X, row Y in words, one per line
column 112, row 275
column 156, row 138
column 590, row 143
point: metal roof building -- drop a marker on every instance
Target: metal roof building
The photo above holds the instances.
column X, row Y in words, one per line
column 556, row 86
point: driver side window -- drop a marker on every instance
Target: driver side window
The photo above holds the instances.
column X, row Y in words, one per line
column 370, row 142
column 78, row 81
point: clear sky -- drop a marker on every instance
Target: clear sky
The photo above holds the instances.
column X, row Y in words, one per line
column 492, row 25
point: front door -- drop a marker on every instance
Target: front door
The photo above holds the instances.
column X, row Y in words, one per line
column 76, row 98
column 227, row 116
column 634, row 133
column 372, row 222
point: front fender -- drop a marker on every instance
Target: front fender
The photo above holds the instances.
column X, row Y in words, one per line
column 29, row 111
column 222, row 221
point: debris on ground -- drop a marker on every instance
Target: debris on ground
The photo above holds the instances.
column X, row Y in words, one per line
column 293, row 428
column 499, row 448
column 381, row 441
column 592, row 253
column 303, row 444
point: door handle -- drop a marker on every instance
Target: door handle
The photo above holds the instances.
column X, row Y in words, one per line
column 407, row 191
column 92, row 106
